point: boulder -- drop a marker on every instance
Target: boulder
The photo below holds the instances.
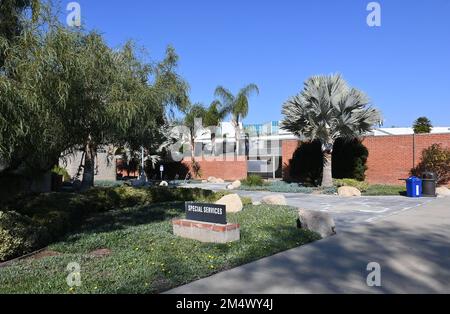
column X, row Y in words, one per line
column 319, row 222
column 233, row 203
column 277, row 199
column 443, row 191
column 235, row 185
column 211, row 179
column 349, row 191
column 164, row 183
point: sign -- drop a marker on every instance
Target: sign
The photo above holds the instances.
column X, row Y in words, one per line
column 211, row 213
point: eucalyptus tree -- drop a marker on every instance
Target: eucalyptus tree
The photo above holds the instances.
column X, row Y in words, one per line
column 237, row 106
column 12, row 19
column 61, row 89
column 37, row 96
column 328, row 109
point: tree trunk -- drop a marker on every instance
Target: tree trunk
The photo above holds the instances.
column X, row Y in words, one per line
column 89, row 165
column 237, row 137
column 327, row 176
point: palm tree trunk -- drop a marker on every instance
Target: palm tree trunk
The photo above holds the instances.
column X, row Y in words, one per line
column 327, row 176
column 238, row 137
column 89, row 166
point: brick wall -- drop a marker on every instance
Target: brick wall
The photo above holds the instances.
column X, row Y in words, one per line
column 288, row 148
column 233, row 168
column 390, row 157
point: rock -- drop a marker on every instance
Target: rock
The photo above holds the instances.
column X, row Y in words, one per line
column 204, row 181
column 219, row 181
column 348, row 191
column 443, row 191
column 211, row 179
column 276, row 199
column 233, row 203
column 235, row 185
column 164, row 183
column 319, row 222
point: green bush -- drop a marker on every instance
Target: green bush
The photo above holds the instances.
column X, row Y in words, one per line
column 435, row 159
column 108, row 183
column 360, row 185
column 253, row 180
column 62, row 172
column 350, row 160
column 19, row 235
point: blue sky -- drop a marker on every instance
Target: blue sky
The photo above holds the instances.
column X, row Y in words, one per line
column 404, row 65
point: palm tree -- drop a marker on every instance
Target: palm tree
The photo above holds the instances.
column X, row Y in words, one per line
column 210, row 118
column 237, row 106
column 328, row 109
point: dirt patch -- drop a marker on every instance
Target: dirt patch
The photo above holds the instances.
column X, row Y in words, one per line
column 44, row 254
column 100, row 253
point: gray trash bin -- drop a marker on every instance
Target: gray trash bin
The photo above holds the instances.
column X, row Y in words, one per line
column 429, row 181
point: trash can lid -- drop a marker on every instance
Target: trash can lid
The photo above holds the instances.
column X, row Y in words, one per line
column 429, row 175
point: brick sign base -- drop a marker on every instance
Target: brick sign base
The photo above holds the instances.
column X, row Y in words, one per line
column 206, row 232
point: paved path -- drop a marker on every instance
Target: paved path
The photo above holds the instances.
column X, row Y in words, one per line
column 347, row 212
column 412, row 247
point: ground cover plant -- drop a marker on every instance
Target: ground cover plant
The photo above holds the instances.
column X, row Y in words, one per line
column 366, row 188
column 133, row 250
column 32, row 222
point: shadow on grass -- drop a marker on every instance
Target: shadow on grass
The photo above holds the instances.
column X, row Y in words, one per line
column 129, row 217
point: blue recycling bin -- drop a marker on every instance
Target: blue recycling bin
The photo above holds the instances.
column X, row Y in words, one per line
column 413, row 187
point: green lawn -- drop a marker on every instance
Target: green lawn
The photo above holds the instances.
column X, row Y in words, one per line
column 386, row 190
column 146, row 257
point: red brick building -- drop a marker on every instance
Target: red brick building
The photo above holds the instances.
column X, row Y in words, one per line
column 390, row 158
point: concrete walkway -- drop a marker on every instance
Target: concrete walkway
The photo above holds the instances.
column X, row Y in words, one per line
column 412, row 247
column 347, row 212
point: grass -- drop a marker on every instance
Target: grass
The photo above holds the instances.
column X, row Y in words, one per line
column 385, row 190
column 146, row 257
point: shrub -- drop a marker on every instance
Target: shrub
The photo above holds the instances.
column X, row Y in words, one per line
column 307, row 163
column 108, row 183
column 19, row 235
column 435, row 159
column 253, row 180
column 61, row 172
column 349, row 161
column 362, row 186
